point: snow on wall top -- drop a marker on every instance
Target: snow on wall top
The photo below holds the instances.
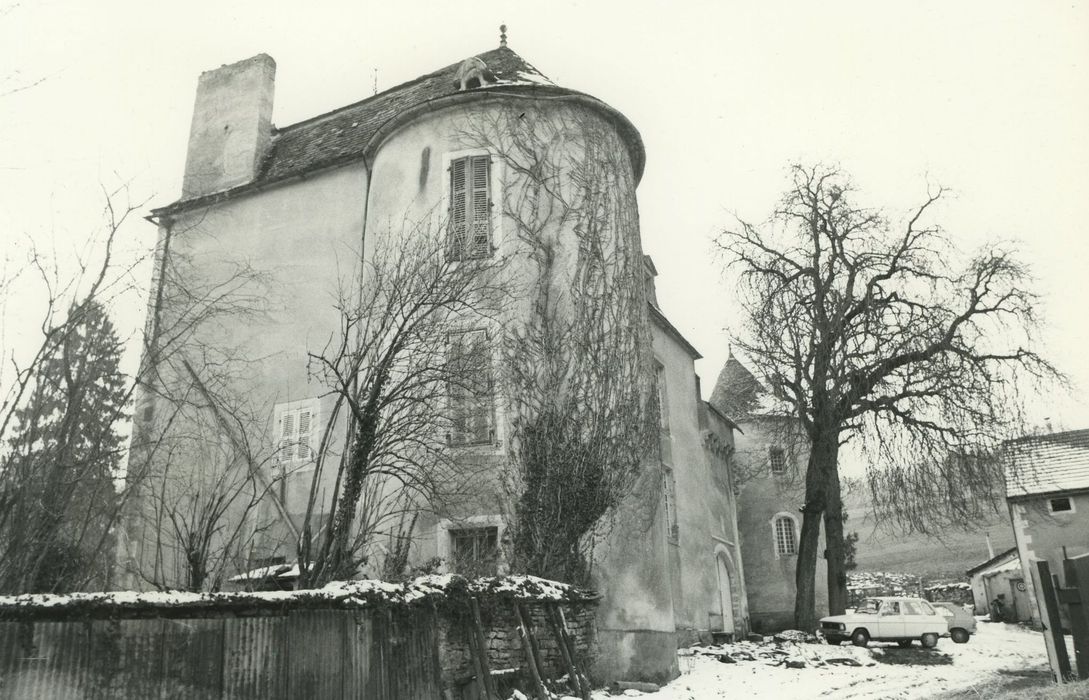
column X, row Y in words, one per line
column 1043, row 464
column 348, row 594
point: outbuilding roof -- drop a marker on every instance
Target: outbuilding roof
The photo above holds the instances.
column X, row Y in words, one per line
column 345, row 134
column 1047, row 464
column 997, row 560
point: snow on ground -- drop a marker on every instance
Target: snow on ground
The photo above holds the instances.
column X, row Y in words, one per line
column 884, row 672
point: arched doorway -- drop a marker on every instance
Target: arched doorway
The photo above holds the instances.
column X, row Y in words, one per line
column 725, row 592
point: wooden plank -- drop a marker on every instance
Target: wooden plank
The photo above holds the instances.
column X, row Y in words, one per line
column 567, row 650
column 532, row 660
column 1053, row 630
column 478, row 633
column 1076, row 612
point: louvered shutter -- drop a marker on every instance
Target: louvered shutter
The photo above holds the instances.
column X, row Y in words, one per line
column 458, row 208
column 458, row 392
column 479, row 381
column 287, row 436
column 481, row 208
column 470, row 387
column 304, row 433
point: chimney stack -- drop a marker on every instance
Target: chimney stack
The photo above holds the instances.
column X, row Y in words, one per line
column 232, row 126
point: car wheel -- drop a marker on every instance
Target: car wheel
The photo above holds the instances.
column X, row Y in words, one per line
column 904, row 643
column 860, row 638
column 834, row 641
column 930, row 640
column 959, row 636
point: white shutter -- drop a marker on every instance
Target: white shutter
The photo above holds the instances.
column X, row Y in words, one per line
column 481, row 209
column 287, row 436
column 458, row 208
column 305, row 416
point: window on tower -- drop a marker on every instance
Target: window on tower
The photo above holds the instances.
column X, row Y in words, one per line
column 470, row 231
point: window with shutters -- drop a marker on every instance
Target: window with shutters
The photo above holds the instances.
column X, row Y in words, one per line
column 470, row 218
column 296, row 429
column 470, row 386
column 785, row 528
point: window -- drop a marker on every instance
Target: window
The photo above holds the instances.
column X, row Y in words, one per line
column 297, row 431
column 890, row 607
column 475, row 551
column 470, row 234
column 1061, row 505
column 777, row 461
column 663, row 397
column 669, row 492
column 786, row 544
column 470, row 383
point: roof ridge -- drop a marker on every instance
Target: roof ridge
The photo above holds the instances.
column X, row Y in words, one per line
column 400, row 86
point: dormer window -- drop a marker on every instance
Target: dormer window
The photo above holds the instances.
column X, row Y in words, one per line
column 473, row 73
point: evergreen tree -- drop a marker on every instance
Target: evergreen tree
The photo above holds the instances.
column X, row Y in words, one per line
column 57, row 496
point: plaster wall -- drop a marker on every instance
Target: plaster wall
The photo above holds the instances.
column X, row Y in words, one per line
column 1043, row 535
column 297, row 240
column 770, row 578
column 706, row 516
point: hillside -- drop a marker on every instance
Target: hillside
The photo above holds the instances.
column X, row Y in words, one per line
column 929, row 557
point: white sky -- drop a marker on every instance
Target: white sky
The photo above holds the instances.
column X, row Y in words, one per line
column 988, row 98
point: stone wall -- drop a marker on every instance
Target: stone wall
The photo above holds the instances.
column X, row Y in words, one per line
column 506, row 655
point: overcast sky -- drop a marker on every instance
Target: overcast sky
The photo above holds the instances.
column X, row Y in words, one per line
column 990, row 99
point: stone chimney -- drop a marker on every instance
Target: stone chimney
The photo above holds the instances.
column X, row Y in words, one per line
column 232, row 126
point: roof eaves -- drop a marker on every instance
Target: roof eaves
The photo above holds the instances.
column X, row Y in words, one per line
column 671, row 330
column 729, row 421
column 998, row 558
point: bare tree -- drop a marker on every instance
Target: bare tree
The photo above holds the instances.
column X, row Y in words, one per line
column 578, row 367
column 400, row 387
column 865, row 327
column 62, row 408
column 203, row 459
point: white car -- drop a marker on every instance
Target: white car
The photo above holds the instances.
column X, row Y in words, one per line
column 887, row 619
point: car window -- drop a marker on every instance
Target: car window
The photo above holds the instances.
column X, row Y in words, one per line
column 946, row 612
column 910, row 609
column 925, row 608
column 890, row 607
column 868, row 606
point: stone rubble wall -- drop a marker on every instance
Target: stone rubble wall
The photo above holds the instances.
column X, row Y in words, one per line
column 505, row 649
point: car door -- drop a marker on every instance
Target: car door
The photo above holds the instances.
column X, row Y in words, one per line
column 890, row 621
column 915, row 624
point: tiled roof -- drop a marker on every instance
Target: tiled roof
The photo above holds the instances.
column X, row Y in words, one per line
column 999, row 559
column 345, row 134
column 737, row 390
column 1043, row 464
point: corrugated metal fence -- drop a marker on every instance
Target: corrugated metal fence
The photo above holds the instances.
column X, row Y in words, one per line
column 374, row 653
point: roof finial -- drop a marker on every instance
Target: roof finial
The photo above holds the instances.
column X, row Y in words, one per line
column 502, row 35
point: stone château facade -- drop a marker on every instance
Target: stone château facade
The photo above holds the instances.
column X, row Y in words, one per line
column 277, row 227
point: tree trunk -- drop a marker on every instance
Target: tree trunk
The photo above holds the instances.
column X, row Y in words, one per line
column 824, row 450
column 835, row 553
column 805, row 567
